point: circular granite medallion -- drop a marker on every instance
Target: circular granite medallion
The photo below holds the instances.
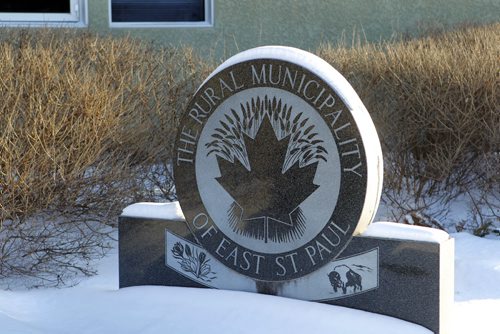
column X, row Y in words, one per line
column 277, row 164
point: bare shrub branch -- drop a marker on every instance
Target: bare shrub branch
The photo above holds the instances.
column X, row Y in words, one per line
column 435, row 102
column 86, row 127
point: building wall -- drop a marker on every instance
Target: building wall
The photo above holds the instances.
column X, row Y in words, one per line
column 242, row 24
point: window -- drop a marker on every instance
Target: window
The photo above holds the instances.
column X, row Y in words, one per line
column 160, row 13
column 62, row 13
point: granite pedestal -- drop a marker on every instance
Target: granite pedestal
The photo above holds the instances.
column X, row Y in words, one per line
column 406, row 273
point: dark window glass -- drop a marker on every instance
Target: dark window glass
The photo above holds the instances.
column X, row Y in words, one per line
column 29, row 6
column 157, row 10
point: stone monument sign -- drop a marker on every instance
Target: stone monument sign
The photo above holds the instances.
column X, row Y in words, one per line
column 278, row 172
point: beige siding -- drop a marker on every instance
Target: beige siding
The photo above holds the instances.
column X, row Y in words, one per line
column 242, row 24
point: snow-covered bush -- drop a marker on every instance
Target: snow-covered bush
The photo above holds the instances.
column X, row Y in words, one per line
column 86, row 125
column 435, row 103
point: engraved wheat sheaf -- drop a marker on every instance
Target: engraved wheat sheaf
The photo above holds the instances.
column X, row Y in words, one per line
column 227, row 141
column 267, row 206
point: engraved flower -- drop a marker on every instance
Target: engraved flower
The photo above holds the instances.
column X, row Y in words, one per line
column 178, row 250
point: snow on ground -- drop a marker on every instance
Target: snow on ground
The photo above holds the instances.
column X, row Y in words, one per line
column 170, row 210
column 477, row 284
column 97, row 306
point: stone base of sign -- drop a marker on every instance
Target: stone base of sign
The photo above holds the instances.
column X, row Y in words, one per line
column 407, row 279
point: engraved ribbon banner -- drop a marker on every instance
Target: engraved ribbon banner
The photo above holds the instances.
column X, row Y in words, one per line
column 340, row 278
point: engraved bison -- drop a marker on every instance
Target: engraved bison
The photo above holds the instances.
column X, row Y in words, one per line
column 343, row 277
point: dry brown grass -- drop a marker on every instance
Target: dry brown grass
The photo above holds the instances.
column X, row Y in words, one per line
column 435, row 101
column 84, row 124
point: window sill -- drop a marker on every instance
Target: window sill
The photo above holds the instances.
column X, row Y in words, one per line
column 152, row 25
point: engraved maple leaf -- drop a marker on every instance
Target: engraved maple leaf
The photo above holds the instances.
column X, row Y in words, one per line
column 266, row 198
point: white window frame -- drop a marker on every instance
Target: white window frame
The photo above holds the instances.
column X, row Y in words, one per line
column 77, row 18
column 209, row 20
